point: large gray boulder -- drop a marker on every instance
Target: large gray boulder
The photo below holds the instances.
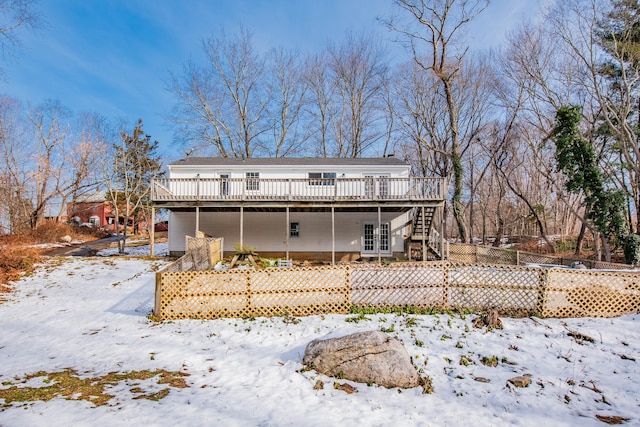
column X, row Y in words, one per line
column 365, row 357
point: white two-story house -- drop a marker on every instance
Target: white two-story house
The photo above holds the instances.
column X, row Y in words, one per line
column 302, row 208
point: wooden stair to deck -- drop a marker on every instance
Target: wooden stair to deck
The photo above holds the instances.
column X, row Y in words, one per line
column 427, row 225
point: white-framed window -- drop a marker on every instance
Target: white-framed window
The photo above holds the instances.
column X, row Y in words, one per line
column 94, row 221
column 224, row 183
column 322, row 178
column 252, row 181
column 376, row 186
column 294, row 229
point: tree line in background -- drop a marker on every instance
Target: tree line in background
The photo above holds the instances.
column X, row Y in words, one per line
column 538, row 138
column 50, row 158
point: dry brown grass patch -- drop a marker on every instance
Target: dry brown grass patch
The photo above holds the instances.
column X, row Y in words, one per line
column 16, row 260
column 52, row 232
column 68, row 385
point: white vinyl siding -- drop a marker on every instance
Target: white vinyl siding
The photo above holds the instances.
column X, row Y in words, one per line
column 267, row 231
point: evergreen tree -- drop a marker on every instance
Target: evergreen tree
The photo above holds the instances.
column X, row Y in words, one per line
column 135, row 165
column 576, row 158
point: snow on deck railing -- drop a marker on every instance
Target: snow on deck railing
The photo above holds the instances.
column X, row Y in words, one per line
column 334, row 189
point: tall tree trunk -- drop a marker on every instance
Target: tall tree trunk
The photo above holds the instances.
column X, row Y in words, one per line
column 579, row 242
column 458, row 170
column 499, row 232
column 606, row 247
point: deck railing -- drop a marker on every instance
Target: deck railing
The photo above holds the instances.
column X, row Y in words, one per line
column 334, row 189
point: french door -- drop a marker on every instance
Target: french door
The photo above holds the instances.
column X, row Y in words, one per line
column 376, row 238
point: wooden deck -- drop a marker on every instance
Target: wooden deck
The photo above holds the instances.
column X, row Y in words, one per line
column 359, row 191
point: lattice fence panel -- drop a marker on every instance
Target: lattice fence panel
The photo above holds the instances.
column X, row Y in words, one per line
column 299, row 291
column 531, row 258
column 506, row 288
column 203, row 251
column 584, row 293
column 201, row 294
column 610, row 265
column 403, row 284
column 548, row 292
column 491, row 255
column 245, row 293
column 477, row 254
column 463, row 253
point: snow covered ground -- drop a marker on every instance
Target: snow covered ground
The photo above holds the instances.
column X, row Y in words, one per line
column 90, row 315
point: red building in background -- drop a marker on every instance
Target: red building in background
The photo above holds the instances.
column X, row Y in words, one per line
column 92, row 208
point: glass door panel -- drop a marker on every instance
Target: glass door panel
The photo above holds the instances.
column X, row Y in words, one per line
column 224, row 184
column 368, row 238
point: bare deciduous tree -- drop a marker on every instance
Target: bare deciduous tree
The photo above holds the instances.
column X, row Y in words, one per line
column 15, row 195
column 46, row 160
column 50, row 122
column 288, row 99
column 431, row 33
column 359, row 72
column 320, row 109
column 222, row 104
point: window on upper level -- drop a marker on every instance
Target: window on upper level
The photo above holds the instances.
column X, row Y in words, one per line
column 252, row 182
column 322, row 178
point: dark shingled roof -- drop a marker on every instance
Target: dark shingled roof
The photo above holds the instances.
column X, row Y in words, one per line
column 288, row 161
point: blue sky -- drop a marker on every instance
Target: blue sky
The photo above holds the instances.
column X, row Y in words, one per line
column 114, row 57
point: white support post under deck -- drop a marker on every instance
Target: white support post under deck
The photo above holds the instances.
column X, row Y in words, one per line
column 333, row 236
column 197, row 221
column 152, row 230
column 241, row 226
column 443, row 255
column 287, row 234
column 379, row 237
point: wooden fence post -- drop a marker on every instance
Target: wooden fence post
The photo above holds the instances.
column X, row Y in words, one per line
column 445, row 294
column 157, row 308
column 543, row 283
column 250, row 310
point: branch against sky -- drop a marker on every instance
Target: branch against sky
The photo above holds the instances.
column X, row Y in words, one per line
column 288, row 92
column 320, row 109
column 433, row 30
column 223, row 101
column 46, row 159
column 15, row 203
column 359, row 71
column 16, row 16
